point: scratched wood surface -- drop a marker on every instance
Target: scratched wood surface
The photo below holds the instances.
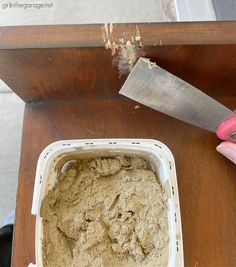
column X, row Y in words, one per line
column 87, row 73
column 93, row 35
column 62, row 62
column 70, row 84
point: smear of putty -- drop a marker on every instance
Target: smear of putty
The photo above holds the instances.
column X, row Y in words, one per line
column 151, row 65
column 106, row 212
column 126, row 51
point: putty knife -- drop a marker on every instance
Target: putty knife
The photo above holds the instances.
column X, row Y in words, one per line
column 157, row 88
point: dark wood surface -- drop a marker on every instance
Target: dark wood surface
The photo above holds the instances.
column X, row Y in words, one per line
column 86, row 73
column 63, row 62
column 206, row 180
column 92, row 35
column 71, row 82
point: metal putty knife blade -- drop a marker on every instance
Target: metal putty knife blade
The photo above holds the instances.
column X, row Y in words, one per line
column 157, row 88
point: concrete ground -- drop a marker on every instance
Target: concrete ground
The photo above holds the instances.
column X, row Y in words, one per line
column 11, row 117
column 69, row 12
column 85, row 11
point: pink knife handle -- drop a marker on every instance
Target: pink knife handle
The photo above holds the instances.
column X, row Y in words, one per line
column 227, row 130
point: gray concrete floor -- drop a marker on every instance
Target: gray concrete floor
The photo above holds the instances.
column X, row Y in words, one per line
column 11, row 117
column 86, row 11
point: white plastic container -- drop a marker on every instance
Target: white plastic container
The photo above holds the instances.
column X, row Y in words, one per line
column 154, row 151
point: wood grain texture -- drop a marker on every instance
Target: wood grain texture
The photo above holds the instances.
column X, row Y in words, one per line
column 92, row 35
column 91, row 73
column 206, row 180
